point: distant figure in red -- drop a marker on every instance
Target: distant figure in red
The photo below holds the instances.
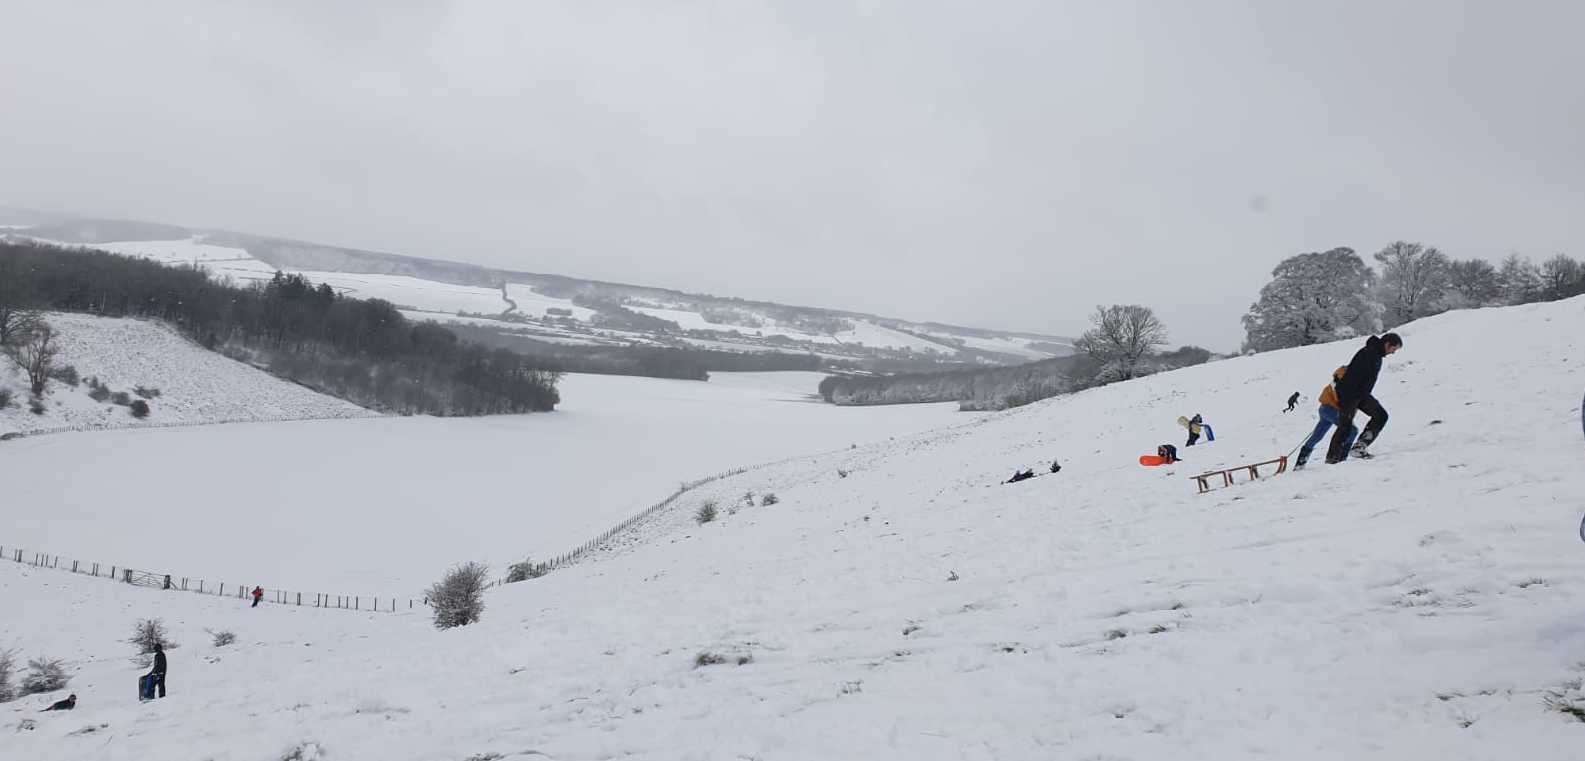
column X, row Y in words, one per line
column 258, row 594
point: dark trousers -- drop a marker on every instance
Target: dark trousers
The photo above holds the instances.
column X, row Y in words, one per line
column 256, row 602
column 159, row 682
column 1193, row 437
column 1338, row 451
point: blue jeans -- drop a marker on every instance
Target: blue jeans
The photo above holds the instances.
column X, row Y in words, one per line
column 1328, row 419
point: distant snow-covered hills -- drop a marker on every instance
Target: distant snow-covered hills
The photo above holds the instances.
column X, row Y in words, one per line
column 552, row 308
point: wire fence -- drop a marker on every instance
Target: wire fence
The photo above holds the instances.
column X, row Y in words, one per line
column 370, row 603
column 172, row 583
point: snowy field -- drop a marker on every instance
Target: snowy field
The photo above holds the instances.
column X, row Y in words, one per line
column 1424, row 605
column 380, row 506
column 196, row 385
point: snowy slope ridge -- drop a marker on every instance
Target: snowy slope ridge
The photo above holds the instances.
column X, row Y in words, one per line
column 1427, row 604
column 196, row 386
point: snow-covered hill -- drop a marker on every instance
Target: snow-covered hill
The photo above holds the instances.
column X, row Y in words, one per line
column 900, row 602
column 524, row 303
column 194, row 385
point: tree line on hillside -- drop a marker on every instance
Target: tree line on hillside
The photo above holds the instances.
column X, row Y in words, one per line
column 1325, row 296
column 647, row 361
column 362, row 350
column 1124, row 342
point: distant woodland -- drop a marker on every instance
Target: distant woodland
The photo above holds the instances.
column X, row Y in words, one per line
column 362, row 350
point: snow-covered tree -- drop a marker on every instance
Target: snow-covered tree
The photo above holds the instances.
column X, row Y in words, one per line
column 1414, row 281
column 1473, row 283
column 458, row 598
column 1521, row 281
column 1313, row 298
column 1561, row 278
column 1124, row 334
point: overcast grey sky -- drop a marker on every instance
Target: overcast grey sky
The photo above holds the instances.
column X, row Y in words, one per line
column 1004, row 164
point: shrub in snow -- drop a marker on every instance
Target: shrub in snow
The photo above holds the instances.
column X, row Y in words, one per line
column 122, row 398
column 36, row 406
column 706, row 513
column 222, row 638
column 5, row 398
column 97, row 391
column 45, row 675
column 140, row 408
column 308, row 751
column 769, row 499
column 8, row 667
column 527, row 569
column 711, row 658
column 148, row 633
column 458, row 598
column 66, row 374
column 748, row 498
column 146, row 393
column 841, row 473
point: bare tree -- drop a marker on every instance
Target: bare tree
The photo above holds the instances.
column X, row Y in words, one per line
column 1473, row 283
column 1414, row 281
column 35, row 354
column 1124, row 334
column 1561, row 278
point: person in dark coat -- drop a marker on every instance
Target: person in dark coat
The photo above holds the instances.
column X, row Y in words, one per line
column 1167, row 452
column 1293, row 401
column 1196, row 424
column 158, row 672
column 1354, row 395
column 258, row 594
column 64, row 705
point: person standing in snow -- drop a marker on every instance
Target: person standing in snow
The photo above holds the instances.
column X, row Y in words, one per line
column 1196, row 424
column 258, row 594
column 158, row 672
column 1293, row 401
column 1354, row 395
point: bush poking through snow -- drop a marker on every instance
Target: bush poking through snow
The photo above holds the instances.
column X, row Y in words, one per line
column 97, row 391
column 706, row 513
column 8, row 666
column 66, row 374
column 769, row 499
column 45, row 675
column 527, row 569
column 148, row 634
column 36, row 406
column 139, row 409
column 146, row 393
column 748, row 499
column 5, row 398
column 458, row 598
column 711, row 658
column 222, row 638
column 841, row 473
column 121, row 398
column 307, row 751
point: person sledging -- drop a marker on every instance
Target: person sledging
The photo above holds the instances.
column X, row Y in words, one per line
column 1327, row 414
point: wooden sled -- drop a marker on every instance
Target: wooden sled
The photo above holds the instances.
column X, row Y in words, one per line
column 1204, row 479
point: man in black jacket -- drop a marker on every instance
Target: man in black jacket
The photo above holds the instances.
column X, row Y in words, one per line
column 1354, row 395
column 158, row 672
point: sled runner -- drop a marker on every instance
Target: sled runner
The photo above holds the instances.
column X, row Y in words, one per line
column 1203, row 481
